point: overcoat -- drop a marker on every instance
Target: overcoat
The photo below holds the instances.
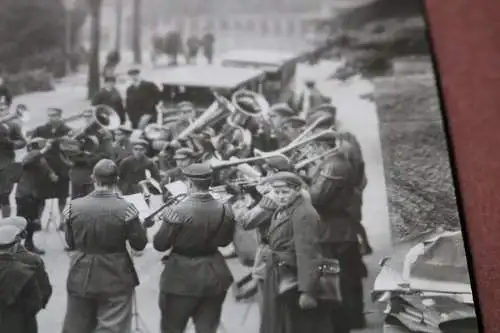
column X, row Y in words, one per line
column 140, row 100
column 195, row 229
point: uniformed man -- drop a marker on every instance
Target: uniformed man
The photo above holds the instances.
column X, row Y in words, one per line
column 334, row 193
column 110, row 96
column 133, row 169
column 29, row 258
column 102, row 277
column 11, row 139
column 84, row 161
column 20, row 295
column 183, row 157
column 122, row 147
column 291, row 301
column 309, row 99
column 54, row 187
column 196, row 277
column 30, row 190
column 141, row 98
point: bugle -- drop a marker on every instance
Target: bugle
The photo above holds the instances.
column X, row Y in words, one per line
column 149, row 221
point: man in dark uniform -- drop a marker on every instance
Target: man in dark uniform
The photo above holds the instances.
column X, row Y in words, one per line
column 84, row 162
column 111, row 97
column 196, row 277
column 11, row 139
column 30, row 190
column 29, row 258
column 334, row 194
column 122, row 147
column 183, row 157
column 133, row 169
column 55, row 187
column 102, row 278
column 20, row 295
column 142, row 98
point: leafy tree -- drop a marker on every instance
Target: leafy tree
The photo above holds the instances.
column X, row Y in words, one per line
column 93, row 82
column 371, row 35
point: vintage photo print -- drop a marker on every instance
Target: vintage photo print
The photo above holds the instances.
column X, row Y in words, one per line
column 270, row 166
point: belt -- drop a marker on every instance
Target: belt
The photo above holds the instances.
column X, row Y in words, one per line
column 194, row 253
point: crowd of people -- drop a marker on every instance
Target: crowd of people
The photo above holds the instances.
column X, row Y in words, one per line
column 308, row 265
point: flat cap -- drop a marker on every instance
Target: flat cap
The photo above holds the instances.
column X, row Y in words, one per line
column 198, row 171
column 17, row 221
column 8, row 234
column 282, row 109
column 309, row 82
column 55, row 111
column 140, row 142
column 105, row 168
column 183, row 153
column 133, row 71
column 289, row 178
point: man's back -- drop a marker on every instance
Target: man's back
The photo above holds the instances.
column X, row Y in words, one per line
column 100, row 225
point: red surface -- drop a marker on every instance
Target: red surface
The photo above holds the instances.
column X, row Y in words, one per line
column 466, row 38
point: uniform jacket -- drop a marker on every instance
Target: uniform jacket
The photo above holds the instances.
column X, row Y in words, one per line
column 36, row 263
column 294, row 241
column 142, row 99
column 111, row 98
column 195, row 229
column 20, row 296
column 132, row 171
column 333, row 194
column 84, row 163
column 11, row 139
column 99, row 226
column 121, row 150
column 35, row 167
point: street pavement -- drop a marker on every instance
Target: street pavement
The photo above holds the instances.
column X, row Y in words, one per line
column 354, row 113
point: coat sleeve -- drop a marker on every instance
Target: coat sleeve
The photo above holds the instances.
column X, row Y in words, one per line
column 31, row 297
column 258, row 215
column 306, row 240
column 43, row 283
column 171, row 225
column 226, row 235
column 17, row 138
column 136, row 233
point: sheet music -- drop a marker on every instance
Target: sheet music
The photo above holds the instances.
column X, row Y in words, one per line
column 176, row 188
column 140, row 203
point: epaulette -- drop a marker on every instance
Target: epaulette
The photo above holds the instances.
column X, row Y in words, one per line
column 267, row 203
column 173, row 217
column 131, row 212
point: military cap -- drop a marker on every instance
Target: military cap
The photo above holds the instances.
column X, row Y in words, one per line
column 109, row 78
column 289, row 178
column 56, row 111
column 8, row 234
column 309, row 82
column 17, row 221
column 125, row 129
column 134, row 71
column 140, row 142
column 105, row 168
column 183, row 153
column 36, row 143
column 198, row 171
column 283, row 109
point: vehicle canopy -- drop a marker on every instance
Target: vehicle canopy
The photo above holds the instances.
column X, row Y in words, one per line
column 268, row 60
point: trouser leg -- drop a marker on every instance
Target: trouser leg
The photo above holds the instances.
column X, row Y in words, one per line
column 81, row 315
column 208, row 313
column 175, row 312
column 114, row 315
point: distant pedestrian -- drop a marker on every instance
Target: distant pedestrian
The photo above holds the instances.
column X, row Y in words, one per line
column 110, row 96
column 193, row 45
column 5, row 92
column 142, row 98
column 208, row 41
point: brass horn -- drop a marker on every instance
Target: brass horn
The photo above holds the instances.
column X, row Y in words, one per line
column 20, row 112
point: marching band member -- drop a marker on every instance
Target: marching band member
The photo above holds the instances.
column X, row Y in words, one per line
column 290, row 300
column 11, row 139
column 195, row 278
column 30, row 192
column 183, row 158
column 20, row 295
column 122, row 147
column 102, row 277
column 84, row 162
column 309, row 99
column 111, row 97
column 141, row 98
column 334, row 194
column 132, row 169
column 58, row 186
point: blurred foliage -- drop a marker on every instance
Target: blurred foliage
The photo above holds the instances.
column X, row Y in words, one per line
column 32, row 35
column 420, row 186
column 370, row 36
column 29, row 81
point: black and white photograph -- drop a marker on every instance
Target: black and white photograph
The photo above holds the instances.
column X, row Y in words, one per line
column 226, row 166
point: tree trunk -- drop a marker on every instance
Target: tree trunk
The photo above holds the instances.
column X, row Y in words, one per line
column 119, row 19
column 136, row 32
column 95, row 39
